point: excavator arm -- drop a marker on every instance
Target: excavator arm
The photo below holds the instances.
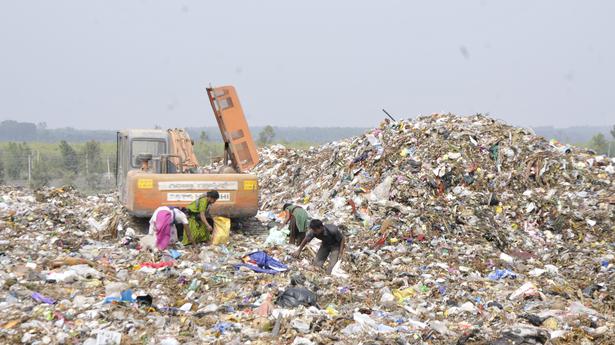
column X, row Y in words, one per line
column 239, row 147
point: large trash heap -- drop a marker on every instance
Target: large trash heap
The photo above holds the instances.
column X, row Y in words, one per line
column 461, row 230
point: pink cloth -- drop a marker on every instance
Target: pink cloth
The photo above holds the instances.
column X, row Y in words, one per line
column 163, row 229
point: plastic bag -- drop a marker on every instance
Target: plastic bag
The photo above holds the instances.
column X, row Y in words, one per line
column 105, row 337
column 338, row 271
column 222, row 229
column 502, row 274
column 277, row 236
column 296, row 296
column 382, row 191
column 404, row 294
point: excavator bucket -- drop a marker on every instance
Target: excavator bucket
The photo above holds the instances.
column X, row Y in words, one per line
column 233, row 127
column 181, row 147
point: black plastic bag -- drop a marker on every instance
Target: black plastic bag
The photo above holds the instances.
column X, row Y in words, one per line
column 296, row 296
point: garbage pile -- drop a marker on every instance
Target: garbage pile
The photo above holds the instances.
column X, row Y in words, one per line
column 73, row 271
column 461, row 230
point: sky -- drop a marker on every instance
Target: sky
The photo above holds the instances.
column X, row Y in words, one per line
column 120, row 63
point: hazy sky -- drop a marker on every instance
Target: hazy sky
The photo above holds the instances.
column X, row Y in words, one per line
column 116, row 64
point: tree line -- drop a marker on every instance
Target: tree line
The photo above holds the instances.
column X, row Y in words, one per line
column 601, row 145
column 11, row 130
column 38, row 166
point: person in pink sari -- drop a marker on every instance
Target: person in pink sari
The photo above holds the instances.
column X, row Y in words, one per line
column 163, row 225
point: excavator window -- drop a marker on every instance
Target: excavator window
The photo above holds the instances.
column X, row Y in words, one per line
column 243, row 151
column 226, row 103
column 238, row 134
column 145, row 146
column 219, row 92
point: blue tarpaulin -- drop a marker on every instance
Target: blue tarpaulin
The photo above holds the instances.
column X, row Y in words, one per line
column 263, row 263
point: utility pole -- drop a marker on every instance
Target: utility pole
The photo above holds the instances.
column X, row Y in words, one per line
column 108, row 169
column 87, row 172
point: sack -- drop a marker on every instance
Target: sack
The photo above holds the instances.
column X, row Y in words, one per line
column 222, row 229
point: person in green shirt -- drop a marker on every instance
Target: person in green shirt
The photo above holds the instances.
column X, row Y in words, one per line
column 298, row 220
column 199, row 228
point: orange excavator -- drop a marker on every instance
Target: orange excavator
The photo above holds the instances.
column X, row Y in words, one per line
column 156, row 167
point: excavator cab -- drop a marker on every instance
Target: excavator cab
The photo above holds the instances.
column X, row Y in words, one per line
column 158, row 167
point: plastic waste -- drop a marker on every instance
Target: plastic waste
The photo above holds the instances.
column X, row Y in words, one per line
column 402, row 295
column 382, row 191
column 442, row 328
column 300, row 325
column 387, row 299
column 169, row 341
column 115, row 289
column 40, row 298
column 507, row 258
column 363, row 324
column 70, row 262
column 261, row 262
column 105, row 337
column 277, row 236
column 523, row 335
column 302, row 341
column 502, row 274
column 533, row 319
column 222, row 327
column 174, row 253
column 125, row 296
column 155, row 265
column 589, row 291
column 338, row 271
column 527, row 289
column 331, row 311
column 222, row 230
column 266, row 307
column 145, row 300
column 578, row 308
column 296, row 296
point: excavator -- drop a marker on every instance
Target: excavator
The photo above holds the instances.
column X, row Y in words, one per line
column 156, row 167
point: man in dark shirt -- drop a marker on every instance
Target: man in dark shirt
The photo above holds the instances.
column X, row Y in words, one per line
column 333, row 243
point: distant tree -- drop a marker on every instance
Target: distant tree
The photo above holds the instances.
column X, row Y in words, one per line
column 13, row 161
column 69, row 179
column 16, row 160
column 13, row 130
column 40, row 174
column 599, row 144
column 94, row 181
column 613, row 132
column 266, row 135
column 1, row 169
column 69, row 157
column 41, row 125
column 203, row 137
column 92, row 155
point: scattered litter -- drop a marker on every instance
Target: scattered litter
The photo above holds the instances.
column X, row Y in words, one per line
column 40, row 298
